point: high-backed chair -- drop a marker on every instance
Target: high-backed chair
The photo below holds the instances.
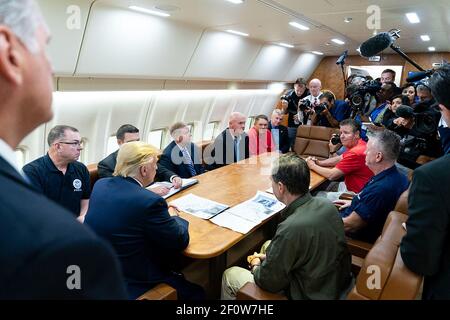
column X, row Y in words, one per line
column 313, row 141
column 396, row 281
column 93, row 173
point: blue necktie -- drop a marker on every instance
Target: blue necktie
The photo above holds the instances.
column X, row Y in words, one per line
column 236, row 157
column 188, row 162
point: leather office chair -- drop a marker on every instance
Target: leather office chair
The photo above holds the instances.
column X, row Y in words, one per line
column 313, row 141
column 396, row 281
column 93, row 173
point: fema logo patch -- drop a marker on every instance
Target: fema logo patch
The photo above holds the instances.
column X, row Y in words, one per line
column 77, row 184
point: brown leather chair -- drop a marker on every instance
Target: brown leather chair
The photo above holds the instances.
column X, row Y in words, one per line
column 397, row 282
column 160, row 292
column 313, row 141
column 402, row 203
column 93, row 173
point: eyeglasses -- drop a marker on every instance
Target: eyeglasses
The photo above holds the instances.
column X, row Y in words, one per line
column 74, row 143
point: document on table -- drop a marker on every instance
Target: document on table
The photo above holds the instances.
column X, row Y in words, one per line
column 246, row 215
column 185, row 184
column 198, row 206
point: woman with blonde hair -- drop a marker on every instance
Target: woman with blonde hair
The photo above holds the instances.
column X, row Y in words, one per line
column 137, row 223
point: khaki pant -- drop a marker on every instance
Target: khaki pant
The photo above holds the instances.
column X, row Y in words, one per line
column 235, row 278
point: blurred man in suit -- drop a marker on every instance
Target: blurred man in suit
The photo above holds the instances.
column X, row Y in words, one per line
column 138, row 224
column 181, row 157
column 231, row 145
column 279, row 132
column 129, row 133
column 45, row 253
column 425, row 249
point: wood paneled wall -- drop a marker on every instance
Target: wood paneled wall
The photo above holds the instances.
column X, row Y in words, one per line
column 331, row 75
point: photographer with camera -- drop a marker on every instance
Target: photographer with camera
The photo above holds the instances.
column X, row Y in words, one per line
column 350, row 165
column 308, row 104
column 330, row 111
column 290, row 102
column 419, row 136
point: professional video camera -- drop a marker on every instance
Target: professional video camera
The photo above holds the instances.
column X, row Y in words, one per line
column 359, row 96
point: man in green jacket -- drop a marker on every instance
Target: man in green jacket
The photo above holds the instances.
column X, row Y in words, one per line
column 308, row 256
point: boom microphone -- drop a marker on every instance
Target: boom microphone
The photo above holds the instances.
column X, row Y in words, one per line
column 417, row 76
column 376, row 44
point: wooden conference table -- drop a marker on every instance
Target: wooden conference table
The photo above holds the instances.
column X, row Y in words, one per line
column 230, row 185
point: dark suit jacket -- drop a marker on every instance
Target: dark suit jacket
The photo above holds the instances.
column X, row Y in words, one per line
column 425, row 249
column 172, row 157
column 106, row 168
column 39, row 240
column 222, row 150
column 281, row 138
column 137, row 224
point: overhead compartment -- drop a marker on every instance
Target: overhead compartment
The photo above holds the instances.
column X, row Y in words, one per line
column 221, row 55
column 273, row 63
column 67, row 21
column 304, row 66
column 125, row 43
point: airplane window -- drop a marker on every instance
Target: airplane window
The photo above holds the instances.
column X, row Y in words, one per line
column 112, row 145
column 84, row 151
column 20, row 156
column 155, row 138
column 249, row 123
column 210, row 131
column 191, row 128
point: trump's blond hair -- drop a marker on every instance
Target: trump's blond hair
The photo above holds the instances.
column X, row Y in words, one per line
column 132, row 156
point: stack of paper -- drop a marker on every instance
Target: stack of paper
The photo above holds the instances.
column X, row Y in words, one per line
column 198, row 206
column 245, row 216
column 185, row 184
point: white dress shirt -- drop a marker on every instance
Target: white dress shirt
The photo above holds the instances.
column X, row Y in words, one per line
column 7, row 153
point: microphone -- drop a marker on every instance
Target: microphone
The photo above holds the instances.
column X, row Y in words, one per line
column 376, row 44
column 417, row 76
column 342, row 58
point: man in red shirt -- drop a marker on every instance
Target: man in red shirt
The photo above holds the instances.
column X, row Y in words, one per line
column 350, row 165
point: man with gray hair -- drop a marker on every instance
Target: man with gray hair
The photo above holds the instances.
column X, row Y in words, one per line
column 46, row 253
column 231, row 145
column 365, row 215
column 59, row 175
column 308, row 257
column 279, row 132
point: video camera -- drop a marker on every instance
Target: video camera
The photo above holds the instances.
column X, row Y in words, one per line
column 357, row 95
